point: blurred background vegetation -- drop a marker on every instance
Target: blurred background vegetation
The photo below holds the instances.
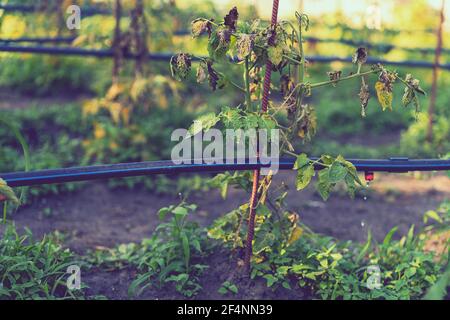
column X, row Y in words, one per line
column 71, row 112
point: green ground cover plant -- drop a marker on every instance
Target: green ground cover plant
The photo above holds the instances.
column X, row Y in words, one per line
column 32, row 269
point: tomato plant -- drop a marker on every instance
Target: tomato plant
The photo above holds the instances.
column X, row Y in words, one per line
column 250, row 45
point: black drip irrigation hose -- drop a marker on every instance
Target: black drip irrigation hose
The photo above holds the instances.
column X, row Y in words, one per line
column 85, row 11
column 108, row 53
column 383, row 47
column 21, row 179
column 39, row 40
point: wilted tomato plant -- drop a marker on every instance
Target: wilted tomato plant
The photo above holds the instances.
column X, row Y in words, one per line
column 250, row 45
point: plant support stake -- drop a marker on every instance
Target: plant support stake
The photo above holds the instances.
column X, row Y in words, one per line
column 434, row 85
column 256, row 173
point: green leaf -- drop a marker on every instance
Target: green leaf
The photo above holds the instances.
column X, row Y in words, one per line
column 266, row 122
column 302, row 161
column 351, row 186
column 326, row 159
column 222, row 290
column 388, row 238
column 439, row 290
column 136, row 287
column 233, row 288
column 286, row 285
column 365, row 248
column 224, row 189
column 163, row 213
column 410, row 272
column 304, row 176
column 196, row 245
column 204, row 122
column 180, row 212
column 270, row 280
column 324, row 263
column 324, row 190
column 275, row 54
column 410, row 236
column 324, row 186
column 252, row 121
column 337, row 172
column 432, row 215
column 232, row 118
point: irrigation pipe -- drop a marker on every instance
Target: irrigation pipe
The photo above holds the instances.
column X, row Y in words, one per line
column 135, row 169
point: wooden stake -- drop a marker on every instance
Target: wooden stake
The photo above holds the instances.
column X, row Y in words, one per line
column 437, row 57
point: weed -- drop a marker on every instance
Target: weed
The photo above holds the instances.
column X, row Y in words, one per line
column 170, row 257
column 228, row 287
column 34, row 269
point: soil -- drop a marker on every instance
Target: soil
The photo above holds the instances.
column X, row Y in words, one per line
column 97, row 216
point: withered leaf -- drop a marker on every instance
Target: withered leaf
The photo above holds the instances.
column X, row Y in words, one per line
column 334, row 76
column 414, row 83
column 231, row 18
column 307, row 122
column 360, row 56
column 200, row 27
column 286, row 84
column 364, row 96
column 388, row 79
column 202, row 72
column 213, row 76
column 410, row 96
column 384, row 94
column 287, row 87
column 224, row 37
column 7, row 193
column 219, row 43
column 180, row 66
column 244, row 46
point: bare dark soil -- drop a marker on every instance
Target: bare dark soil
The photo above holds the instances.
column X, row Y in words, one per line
column 98, row 216
column 222, row 267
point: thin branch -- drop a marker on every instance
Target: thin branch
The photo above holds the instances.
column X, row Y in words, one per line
column 356, row 75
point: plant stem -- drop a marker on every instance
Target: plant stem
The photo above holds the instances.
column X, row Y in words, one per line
column 247, row 84
column 236, row 86
column 201, row 59
column 5, row 209
column 356, row 75
column 301, row 67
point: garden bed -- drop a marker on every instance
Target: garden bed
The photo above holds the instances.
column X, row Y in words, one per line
column 98, row 217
